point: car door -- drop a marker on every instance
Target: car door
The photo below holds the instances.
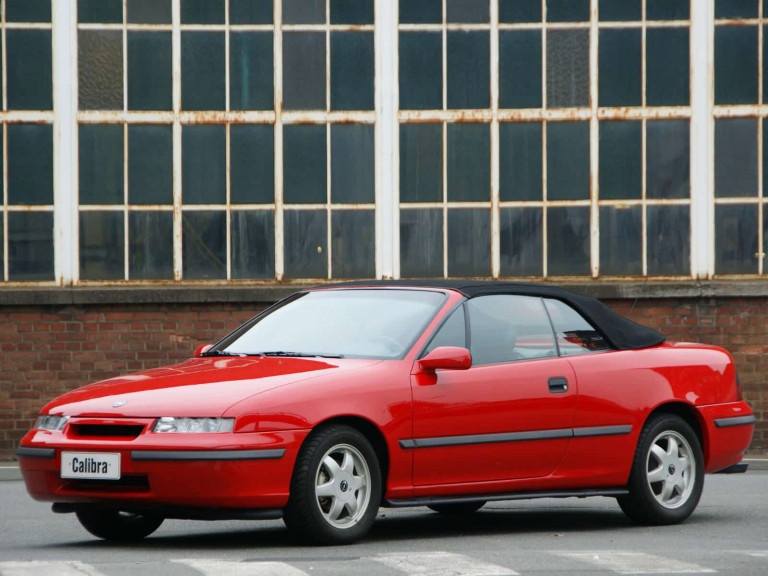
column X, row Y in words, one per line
column 511, row 414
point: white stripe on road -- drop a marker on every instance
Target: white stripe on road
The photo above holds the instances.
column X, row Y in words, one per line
column 441, row 564
column 755, row 553
column 47, row 568
column 228, row 568
column 635, row 562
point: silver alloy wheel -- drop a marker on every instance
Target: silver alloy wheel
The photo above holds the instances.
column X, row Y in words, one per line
column 342, row 486
column 671, row 469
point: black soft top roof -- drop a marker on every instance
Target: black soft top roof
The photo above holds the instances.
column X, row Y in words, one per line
column 620, row 332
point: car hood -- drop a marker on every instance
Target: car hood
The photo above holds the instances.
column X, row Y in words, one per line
column 199, row 387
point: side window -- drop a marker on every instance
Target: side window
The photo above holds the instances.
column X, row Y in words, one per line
column 451, row 333
column 574, row 334
column 506, row 328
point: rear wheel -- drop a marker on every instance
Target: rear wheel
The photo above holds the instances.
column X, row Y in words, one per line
column 458, row 508
column 117, row 525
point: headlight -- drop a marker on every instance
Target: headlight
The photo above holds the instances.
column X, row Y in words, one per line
column 47, row 422
column 189, row 425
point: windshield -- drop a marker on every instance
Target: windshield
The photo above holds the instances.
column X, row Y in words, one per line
column 381, row 324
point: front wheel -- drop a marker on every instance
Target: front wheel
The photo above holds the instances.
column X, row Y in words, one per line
column 118, row 526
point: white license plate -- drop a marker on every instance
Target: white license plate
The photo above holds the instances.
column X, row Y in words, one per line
column 90, row 465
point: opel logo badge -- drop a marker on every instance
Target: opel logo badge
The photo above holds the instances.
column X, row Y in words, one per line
column 119, row 403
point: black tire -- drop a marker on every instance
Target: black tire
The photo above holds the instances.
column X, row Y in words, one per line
column 667, row 475
column 334, row 504
column 118, row 526
column 457, row 509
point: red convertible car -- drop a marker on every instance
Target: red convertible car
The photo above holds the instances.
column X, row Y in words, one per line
column 345, row 398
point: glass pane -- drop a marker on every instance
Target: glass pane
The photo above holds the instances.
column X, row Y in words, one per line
column 421, row 70
column 520, row 69
column 469, row 162
column 30, row 246
column 567, row 10
column 251, row 71
column 204, row 245
column 250, row 11
column 28, row 10
column 451, row 333
column 736, row 65
column 28, row 70
column 150, row 164
column 149, row 11
column 469, row 243
column 619, row 67
column 736, row 239
column 668, row 159
column 102, row 245
column 352, row 71
column 305, row 244
column 304, row 70
column 99, row 11
column 421, row 243
column 149, row 71
column 620, row 10
column 352, row 163
column 513, row 11
column 352, row 241
column 467, row 11
column 567, row 68
column 30, row 164
column 469, row 70
column 621, row 158
column 252, row 157
column 303, row 11
column 150, row 245
column 736, row 9
column 736, row 157
column 574, row 334
column 352, row 11
column 202, row 71
column 100, row 69
column 521, row 241
column 203, row 164
column 568, row 160
column 304, row 164
column 568, row 241
column 765, row 174
column 520, row 167
column 765, row 56
column 667, row 9
column 621, row 240
column 101, row 164
column 668, row 240
column 667, row 67
column 421, row 11
column 253, row 244
column 421, row 162
column 202, row 11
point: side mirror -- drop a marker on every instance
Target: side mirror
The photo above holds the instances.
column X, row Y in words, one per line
column 202, row 350
column 446, row 358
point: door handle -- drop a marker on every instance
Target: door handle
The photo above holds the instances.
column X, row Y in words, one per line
column 558, row 385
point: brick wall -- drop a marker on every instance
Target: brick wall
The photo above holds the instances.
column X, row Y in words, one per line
column 46, row 351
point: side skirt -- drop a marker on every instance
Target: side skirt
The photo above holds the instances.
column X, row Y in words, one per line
column 460, row 499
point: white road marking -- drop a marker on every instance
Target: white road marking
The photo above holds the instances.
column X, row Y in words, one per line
column 48, row 568
column 754, row 553
column 229, row 568
column 441, row 564
column 635, row 562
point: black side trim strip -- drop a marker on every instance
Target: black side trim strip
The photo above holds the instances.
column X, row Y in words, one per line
column 602, row 431
column 431, row 500
column 30, row 452
column 734, row 421
column 178, row 455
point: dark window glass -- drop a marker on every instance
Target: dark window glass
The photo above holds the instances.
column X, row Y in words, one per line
column 765, row 169
column 252, row 159
column 621, row 156
column 204, row 245
column 251, row 11
column 99, row 11
column 567, row 10
column 621, row 240
column 304, row 70
column 421, row 11
column 765, row 56
column 203, row 164
column 253, row 244
column 513, row 11
column 30, row 246
column 736, row 239
column 735, row 157
column 102, row 245
column 303, row 11
column 202, row 71
column 304, row 164
column 421, row 70
column 305, row 244
column 668, row 159
column 468, row 70
column 469, row 162
column 202, row 11
column 352, row 241
column 567, row 68
column 667, row 9
column 149, row 71
column 150, row 164
column 251, row 74
column 568, row 160
column 568, row 241
column 30, row 164
column 453, row 332
column 352, row 163
column 149, row 11
column 735, row 65
column 150, row 245
column 620, row 10
column 619, row 67
column 520, row 69
column 29, row 71
column 467, row 11
column 520, row 161
column 574, row 334
column 669, row 235
column 28, row 10
column 469, row 242
column 421, row 162
column 2, row 252
column 352, row 11
column 100, row 69
column 667, row 67
column 521, row 241
column 421, row 243
column 101, row 164
column 352, row 71
column 736, row 9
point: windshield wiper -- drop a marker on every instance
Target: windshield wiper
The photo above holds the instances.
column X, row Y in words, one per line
column 282, row 353
column 222, row 353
